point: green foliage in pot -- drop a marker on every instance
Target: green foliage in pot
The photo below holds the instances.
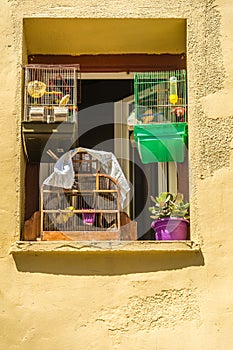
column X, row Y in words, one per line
column 169, row 205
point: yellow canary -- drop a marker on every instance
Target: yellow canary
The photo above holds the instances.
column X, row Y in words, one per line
column 64, row 100
column 62, row 218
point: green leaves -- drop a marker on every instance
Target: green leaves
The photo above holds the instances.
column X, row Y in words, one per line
column 169, row 205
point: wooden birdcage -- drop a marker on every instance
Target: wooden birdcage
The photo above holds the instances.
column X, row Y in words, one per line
column 51, row 93
column 90, row 210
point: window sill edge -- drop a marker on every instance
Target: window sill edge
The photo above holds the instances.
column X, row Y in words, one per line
column 103, row 246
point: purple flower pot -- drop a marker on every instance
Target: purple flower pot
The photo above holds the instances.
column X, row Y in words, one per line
column 170, row 229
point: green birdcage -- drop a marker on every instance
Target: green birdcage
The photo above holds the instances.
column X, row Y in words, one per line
column 160, row 96
column 161, row 115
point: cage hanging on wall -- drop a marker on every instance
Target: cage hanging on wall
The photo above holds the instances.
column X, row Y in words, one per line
column 161, row 115
column 160, row 97
column 51, row 93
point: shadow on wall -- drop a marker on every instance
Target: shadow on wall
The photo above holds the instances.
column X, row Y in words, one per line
column 111, row 263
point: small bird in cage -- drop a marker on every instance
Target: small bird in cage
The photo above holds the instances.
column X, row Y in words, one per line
column 64, row 101
column 147, row 117
column 62, row 218
column 179, row 113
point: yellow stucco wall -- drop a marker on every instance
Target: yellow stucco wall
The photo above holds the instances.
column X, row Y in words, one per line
column 126, row 300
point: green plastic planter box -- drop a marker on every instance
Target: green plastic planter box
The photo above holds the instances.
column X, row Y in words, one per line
column 161, row 142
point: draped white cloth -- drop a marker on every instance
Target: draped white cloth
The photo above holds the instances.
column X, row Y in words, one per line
column 63, row 174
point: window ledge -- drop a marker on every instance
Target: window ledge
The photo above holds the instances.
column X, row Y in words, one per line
column 103, row 246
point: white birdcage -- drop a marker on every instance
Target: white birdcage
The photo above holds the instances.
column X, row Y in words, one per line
column 51, row 93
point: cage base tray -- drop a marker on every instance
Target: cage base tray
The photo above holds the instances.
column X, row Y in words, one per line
column 81, row 235
column 161, row 142
column 127, row 233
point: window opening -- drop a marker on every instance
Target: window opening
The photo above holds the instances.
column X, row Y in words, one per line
column 147, row 179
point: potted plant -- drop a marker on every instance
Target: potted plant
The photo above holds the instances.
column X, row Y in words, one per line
column 171, row 216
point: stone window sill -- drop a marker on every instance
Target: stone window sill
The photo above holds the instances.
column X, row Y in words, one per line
column 103, row 246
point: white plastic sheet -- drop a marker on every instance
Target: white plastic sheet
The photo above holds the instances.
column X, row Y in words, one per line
column 63, row 175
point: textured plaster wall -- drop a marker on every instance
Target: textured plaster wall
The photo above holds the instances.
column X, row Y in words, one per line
column 141, row 300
